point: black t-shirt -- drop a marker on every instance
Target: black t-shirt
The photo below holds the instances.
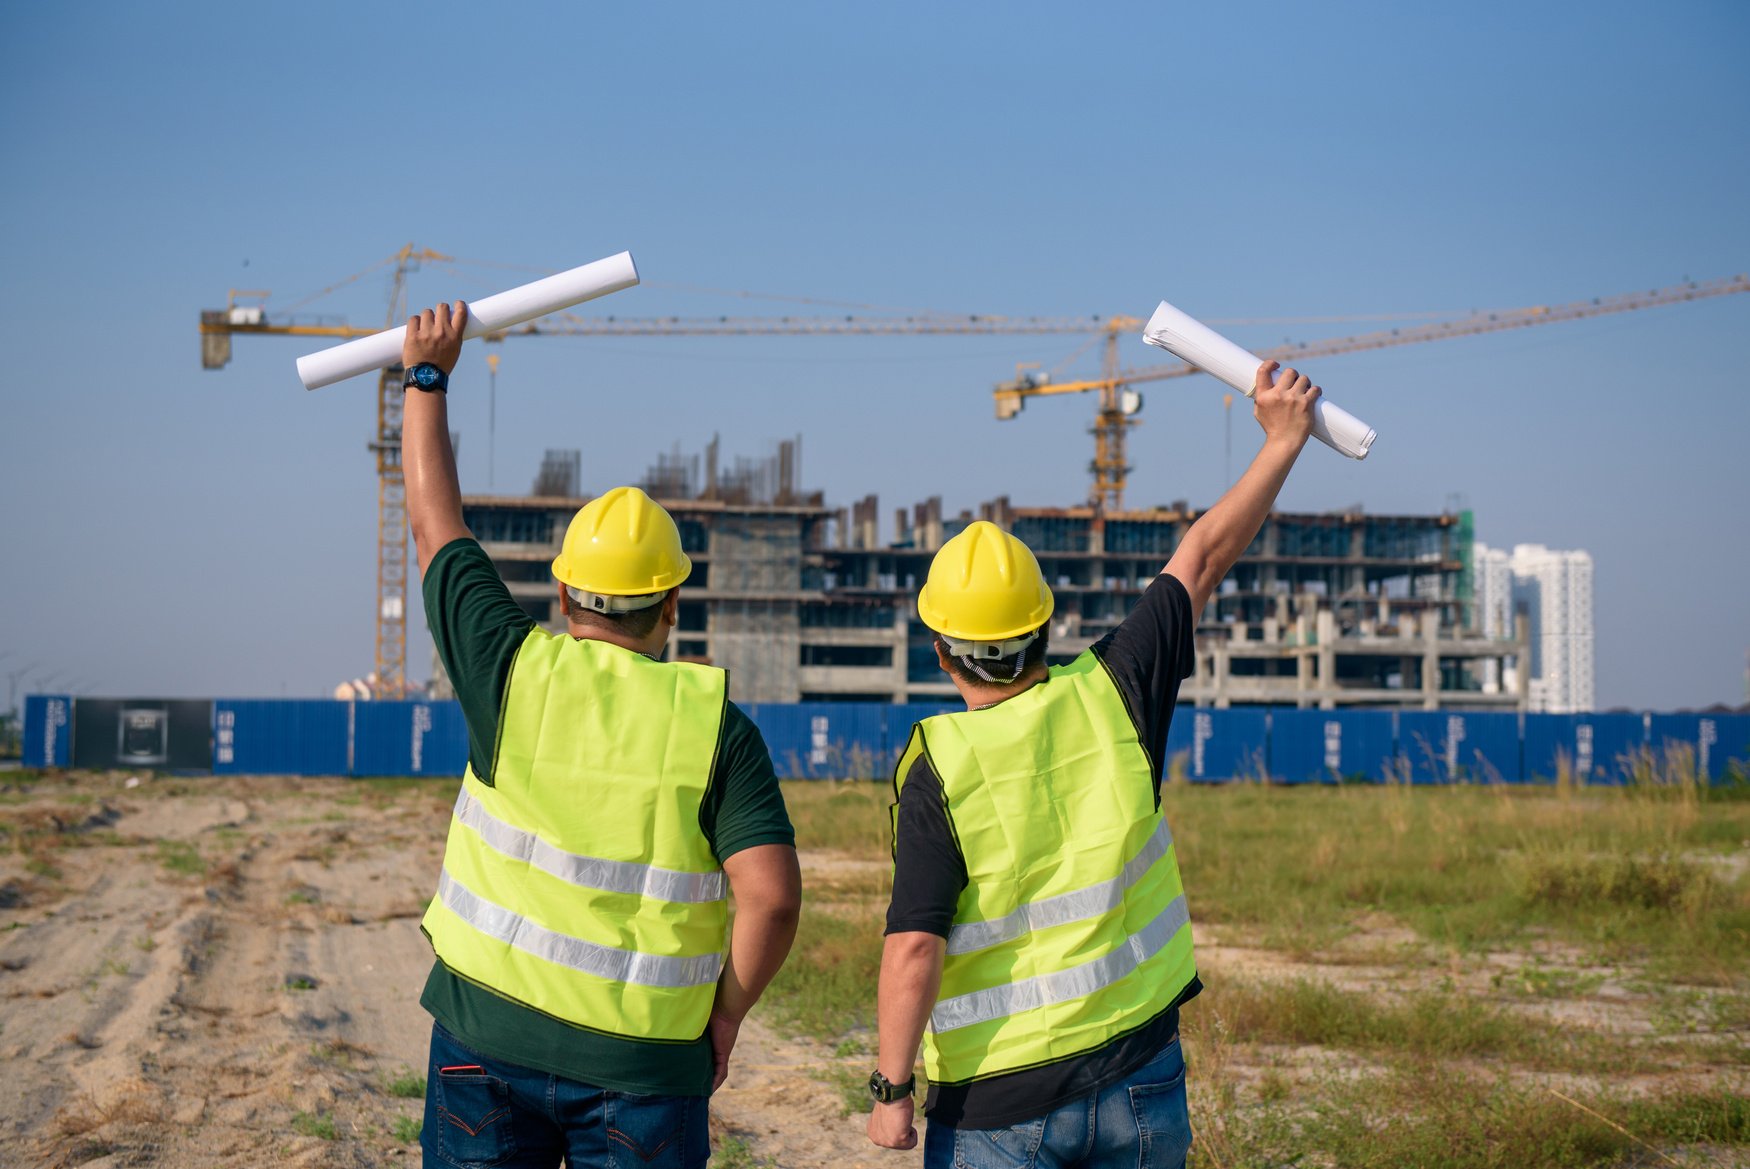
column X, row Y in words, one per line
column 1148, row 655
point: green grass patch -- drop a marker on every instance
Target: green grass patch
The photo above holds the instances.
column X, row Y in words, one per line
column 1436, row 1024
column 736, row 1153
column 407, row 1129
column 827, row 988
column 1618, row 871
column 844, row 815
column 315, row 1124
column 1419, row 1114
column 181, row 858
column 407, row 1086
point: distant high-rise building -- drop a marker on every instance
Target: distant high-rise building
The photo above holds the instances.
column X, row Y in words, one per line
column 1554, row 590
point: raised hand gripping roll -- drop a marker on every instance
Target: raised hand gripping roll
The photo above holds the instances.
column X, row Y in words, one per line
column 1199, row 345
column 487, row 315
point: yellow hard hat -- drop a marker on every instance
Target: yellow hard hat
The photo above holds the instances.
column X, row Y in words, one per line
column 984, row 585
column 622, row 544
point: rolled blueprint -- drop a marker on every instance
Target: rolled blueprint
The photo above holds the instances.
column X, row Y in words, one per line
column 487, row 315
column 1209, row 351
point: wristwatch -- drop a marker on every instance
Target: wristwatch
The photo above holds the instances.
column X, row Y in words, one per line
column 886, row 1091
column 426, row 376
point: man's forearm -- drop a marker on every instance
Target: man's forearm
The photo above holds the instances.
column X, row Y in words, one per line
column 911, row 976
column 428, row 465
column 1226, row 530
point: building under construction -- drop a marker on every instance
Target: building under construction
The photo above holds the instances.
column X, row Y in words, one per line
column 803, row 602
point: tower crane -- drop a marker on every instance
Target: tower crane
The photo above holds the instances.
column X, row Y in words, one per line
column 246, row 314
column 217, row 328
column 1119, row 403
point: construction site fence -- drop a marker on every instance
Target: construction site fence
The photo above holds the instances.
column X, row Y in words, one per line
column 860, row 740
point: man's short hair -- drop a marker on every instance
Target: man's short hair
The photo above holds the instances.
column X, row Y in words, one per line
column 636, row 623
column 1000, row 671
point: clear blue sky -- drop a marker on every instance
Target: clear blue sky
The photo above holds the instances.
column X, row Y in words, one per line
column 175, row 531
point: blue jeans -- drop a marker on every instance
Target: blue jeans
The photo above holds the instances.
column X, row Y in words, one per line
column 482, row 1113
column 1138, row 1123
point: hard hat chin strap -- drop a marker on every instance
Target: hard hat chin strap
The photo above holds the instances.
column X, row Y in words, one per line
column 972, row 653
column 602, row 603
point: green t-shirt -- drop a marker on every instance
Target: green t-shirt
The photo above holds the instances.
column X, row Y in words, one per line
column 477, row 627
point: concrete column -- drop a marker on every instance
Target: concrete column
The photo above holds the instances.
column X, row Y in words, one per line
column 1430, row 659
column 1327, row 659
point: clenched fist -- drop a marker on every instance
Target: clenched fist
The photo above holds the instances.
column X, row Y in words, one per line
column 435, row 336
column 1284, row 406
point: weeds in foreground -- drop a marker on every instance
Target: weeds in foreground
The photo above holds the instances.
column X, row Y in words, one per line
column 407, row 1086
column 315, row 1124
column 736, row 1153
column 827, row 987
column 182, row 858
column 407, row 1129
column 849, row 816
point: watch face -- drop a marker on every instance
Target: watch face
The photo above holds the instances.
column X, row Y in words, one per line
column 425, row 375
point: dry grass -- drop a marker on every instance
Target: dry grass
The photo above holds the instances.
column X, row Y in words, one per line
column 1494, row 944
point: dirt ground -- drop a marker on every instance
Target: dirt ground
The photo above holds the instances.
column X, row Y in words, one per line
column 204, row 972
column 222, row 972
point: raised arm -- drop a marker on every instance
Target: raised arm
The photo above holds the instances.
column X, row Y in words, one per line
column 434, row 497
column 1283, row 407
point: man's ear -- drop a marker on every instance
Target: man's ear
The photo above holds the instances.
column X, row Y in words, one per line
column 671, row 607
column 564, row 602
column 941, row 656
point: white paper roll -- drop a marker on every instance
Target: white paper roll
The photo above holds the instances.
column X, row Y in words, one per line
column 1198, row 344
column 487, row 315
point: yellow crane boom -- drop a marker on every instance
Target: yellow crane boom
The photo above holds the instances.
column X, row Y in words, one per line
column 1118, row 404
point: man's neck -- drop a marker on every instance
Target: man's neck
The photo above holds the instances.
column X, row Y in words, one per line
column 650, row 647
column 978, row 695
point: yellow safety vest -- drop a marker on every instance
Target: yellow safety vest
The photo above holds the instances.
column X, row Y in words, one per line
column 1072, row 929
column 579, row 883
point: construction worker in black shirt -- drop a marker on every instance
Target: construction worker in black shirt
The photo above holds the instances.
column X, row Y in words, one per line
column 1038, row 924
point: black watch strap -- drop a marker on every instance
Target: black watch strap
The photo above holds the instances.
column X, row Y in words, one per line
column 886, row 1091
column 428, row 377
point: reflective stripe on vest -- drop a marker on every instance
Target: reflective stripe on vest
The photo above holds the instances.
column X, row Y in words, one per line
column 1073, row 928
column 981, row 1006
column 1065, row 907
column 578, row 881
column 591, row 872
column 495, row 921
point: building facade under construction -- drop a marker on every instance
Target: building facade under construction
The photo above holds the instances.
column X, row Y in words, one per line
column 803, row 602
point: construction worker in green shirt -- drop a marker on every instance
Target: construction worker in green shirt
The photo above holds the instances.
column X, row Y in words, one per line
column 584, row 1003
column 1038, row 926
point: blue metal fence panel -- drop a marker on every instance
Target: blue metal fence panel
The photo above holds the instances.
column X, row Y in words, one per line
column 1598, row 748
column 830, row 740
column 1439, row 746
column 276, row 736
column 1218, row 745
column 1305, row 746
column 900, row 718
column 824, row 740
column 48, row 730
column 1734, row 744
column 1710, row 740
column 1329, row 746
column 409, row 738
